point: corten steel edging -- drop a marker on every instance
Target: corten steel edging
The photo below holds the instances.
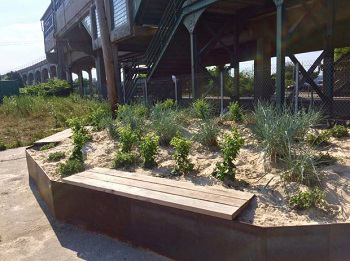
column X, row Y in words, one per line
column 185, row 235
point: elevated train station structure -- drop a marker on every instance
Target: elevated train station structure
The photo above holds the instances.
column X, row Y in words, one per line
column 153, row 39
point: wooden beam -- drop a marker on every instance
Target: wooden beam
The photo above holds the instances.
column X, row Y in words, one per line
column 108, row 56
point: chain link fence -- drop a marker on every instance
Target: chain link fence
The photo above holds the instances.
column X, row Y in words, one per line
column 327, row 87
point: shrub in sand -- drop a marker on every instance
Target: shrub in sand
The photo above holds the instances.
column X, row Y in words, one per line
column 230, row 147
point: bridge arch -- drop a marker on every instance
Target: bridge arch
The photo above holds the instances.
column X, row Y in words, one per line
column 37, row 77
column 25, row 79
column 30, row 79
column 44, row 75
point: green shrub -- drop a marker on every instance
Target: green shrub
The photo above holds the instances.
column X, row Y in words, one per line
column 307, row 199
column 127, row 138
column 207, row 134
column 321, row 139
column 53, row 87
column 202, row 109
column 80, row 136
column 56, row 156
column 182, row 150
column 2, row 146
column 169, row 104
column 97, row 116
column 277, row 128
column 339, row 131
column 133, row 115
column 235, row 112
column 124, row 159
column 230, row 148
column 47, row 146
column 165, row 124
column 72, row 166
column 149, row 150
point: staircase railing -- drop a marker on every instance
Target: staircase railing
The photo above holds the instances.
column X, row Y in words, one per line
column 166, row 27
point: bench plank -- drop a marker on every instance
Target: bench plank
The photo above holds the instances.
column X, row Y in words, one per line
column 174, row 183
column 167, row 189
column 161, row 198
column 58, row 137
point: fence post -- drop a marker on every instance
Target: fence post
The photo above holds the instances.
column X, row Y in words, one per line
column 145, row 92
column 222, row 90
column 296, row 87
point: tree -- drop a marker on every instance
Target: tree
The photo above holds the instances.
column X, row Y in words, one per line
column 340, row 52
column 14, row 76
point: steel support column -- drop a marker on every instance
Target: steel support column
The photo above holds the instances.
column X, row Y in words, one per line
column 194, row 64
column 236, row 91
column 61, row 72
column 328, row 72
column 81, row 83
column 280, row 51
column 262, row 70
column 101, row 75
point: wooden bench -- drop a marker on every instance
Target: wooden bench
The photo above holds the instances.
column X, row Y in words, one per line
column 222, row 203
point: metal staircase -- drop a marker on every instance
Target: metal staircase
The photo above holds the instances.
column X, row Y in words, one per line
column 146, row 64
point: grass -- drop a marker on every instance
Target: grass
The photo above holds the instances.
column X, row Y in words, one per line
column 56, row 156
column 26, row 119
column 47, row 146
column 277, row 128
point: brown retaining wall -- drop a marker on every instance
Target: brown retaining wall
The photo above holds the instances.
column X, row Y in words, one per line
column 184, row 235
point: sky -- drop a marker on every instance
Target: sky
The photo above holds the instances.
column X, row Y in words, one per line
column 21, row 37
column 22, row 41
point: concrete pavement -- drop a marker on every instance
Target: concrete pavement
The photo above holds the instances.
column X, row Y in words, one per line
column 28, row 231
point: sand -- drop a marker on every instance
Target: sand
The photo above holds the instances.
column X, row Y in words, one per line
column 269, row 207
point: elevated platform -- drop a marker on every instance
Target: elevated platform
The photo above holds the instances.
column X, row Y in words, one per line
column 225, row 204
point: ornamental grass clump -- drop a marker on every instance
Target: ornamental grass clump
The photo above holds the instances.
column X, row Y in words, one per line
column 134, row 115
column 207, row 133
column 301, row 167
column 230, row 147
column 182, row 150
column 164, row 123
column 149, row 150
column 276, row 128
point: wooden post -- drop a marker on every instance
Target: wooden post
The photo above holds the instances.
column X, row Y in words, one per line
column 107, row 54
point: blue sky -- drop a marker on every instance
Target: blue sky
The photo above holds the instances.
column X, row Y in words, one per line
column 21, row 38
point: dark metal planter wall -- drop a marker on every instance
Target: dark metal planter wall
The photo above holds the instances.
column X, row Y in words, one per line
column 184, row 235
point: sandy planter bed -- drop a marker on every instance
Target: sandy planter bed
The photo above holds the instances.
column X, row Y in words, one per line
column 269, row 208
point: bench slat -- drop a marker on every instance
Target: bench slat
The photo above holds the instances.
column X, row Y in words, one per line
column 174, row 183
column 165, row 199
column 166, row 189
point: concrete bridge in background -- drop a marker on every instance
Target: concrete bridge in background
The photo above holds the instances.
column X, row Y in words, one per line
column 38, row 72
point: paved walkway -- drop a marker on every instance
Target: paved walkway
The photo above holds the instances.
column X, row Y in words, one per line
column 29, row 232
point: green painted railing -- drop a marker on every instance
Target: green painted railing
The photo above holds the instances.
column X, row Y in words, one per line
column 146, row 64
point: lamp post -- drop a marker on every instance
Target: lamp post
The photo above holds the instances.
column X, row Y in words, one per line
column 175, row 81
